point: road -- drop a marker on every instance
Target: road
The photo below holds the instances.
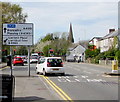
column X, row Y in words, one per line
column 81, row 81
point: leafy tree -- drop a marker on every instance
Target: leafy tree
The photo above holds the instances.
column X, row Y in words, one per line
column 115, row 42
column 21, row 50
column 12, row 13
column 48, row 37
column 91, row 53
column 46, row 50
column 57, row 41
column 117, row 55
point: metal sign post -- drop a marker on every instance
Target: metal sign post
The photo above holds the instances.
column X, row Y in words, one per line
column 29, row 61
column 11, row 61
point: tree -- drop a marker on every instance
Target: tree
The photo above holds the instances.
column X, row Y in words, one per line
column 46, row 50
column 91, row 53
column 12, row 13
column 57, row 41
column 48, row 37
column 117, row 55
column 21, row 50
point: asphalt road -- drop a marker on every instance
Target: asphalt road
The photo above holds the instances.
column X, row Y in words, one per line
column 87, row 82
column 81, row 81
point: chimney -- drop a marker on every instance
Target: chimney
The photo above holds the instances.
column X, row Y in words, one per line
column 111, row 30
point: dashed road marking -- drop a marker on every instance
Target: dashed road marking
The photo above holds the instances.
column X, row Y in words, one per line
column 84, row 76
column 77, row 80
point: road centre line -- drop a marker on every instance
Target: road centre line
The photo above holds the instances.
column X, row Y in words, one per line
column 57, row 89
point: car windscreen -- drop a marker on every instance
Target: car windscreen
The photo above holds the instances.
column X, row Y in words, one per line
column 33, row 57
column 54, row 62
column 18, row 59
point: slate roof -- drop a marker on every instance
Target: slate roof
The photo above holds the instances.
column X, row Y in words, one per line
column 99, row 38
column 110, row 35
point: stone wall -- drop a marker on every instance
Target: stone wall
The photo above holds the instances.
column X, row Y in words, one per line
column 105, row 62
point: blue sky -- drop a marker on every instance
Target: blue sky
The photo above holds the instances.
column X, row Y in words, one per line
column 89, row 19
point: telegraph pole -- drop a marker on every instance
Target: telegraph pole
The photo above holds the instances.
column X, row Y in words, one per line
column 0, row 32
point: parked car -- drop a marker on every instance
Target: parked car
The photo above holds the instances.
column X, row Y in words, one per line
column 70, row 58
column 33, row 59
column 35, row 54
column 24, row 57
column 50, row 65
column 18, row 61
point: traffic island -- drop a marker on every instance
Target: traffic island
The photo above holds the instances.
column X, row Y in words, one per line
column 112, row 74
column 115, row 69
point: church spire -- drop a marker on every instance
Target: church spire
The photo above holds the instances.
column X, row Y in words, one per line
column 70, row 36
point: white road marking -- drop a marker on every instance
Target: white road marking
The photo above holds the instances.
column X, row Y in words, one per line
column 59, row 77
column 67, row 77
column 75, row 76
column 68, row 80
column 87, row 72
column 95, row 80
column 77, row 80
column 62, row 80
column 84, row 76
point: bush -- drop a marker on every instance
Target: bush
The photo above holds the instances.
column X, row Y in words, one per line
column 117, row 56
column 91, row 53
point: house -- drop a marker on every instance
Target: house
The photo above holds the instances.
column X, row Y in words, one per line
column 108, row 40
column 94, row 42
column 76, row 53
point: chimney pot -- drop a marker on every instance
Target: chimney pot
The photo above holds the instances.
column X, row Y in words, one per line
column 111, row 30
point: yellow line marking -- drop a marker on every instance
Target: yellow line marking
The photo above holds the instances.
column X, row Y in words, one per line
column 57, row 89
column 4, row 68
column 62, row 91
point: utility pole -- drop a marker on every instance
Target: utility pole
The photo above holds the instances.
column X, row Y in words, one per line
column 0, row 32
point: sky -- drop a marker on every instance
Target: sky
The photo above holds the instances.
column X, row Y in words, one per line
column 88, row 18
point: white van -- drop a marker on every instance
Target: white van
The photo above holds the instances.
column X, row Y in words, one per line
column 50, row 65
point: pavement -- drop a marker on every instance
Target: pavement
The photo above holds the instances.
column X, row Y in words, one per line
column 3, row 65
column 32, row 89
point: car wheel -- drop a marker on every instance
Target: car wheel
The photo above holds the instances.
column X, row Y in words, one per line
column 37, row 72
column 63, row 74
column 44, row 73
